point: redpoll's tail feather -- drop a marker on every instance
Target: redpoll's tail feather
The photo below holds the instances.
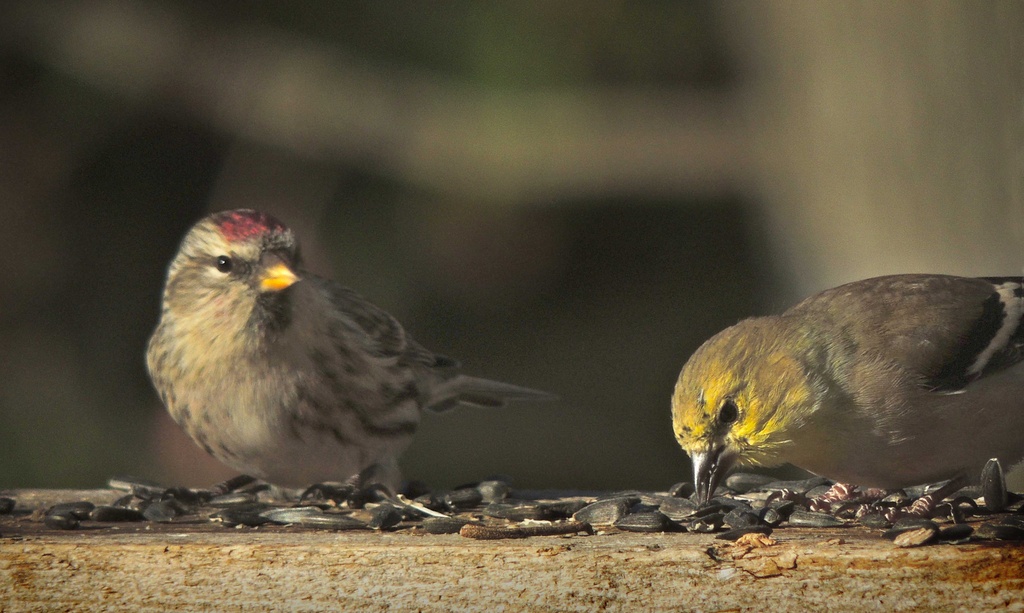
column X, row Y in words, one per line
column 463, row 389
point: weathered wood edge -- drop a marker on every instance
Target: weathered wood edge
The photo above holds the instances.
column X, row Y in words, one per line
column 148, row 567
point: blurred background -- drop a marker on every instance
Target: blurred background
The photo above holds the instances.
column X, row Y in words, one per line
column 570, row 196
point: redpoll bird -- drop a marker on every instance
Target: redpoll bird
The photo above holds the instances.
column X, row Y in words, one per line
column 286, row 376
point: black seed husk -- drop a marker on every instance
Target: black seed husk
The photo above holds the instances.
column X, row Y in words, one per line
column 801, row 486
column 385, row 516
column 814, row 520
column 875, row 520
column 115, row 514
column 465, row 498
column 999, row 531
column 650, row 521
column 993, row 486
column 915, row 537
column 243, row 515
column 443, row 525
column 683, row 489
column 603, row 512
column 739, row 518
column 678, row 509
column 518, row 510
column 79, row 509
column 565, row 509
column 735, row 533
column 956, row 534
column 164, row 510
column 741, row 483
column 493, row 491
column 232, row 499
column 65, row 521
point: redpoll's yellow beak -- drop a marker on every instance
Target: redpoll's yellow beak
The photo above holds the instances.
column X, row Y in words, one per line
column 277, row 278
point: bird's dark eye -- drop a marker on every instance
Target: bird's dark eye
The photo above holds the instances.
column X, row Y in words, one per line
column 728, row 412
column 224, row 264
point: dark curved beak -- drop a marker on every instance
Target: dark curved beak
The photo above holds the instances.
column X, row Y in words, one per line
column 709, row 467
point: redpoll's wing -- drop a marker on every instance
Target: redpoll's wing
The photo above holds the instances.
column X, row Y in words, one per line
column 463, row 389
column 946, row 330
column 382, row 334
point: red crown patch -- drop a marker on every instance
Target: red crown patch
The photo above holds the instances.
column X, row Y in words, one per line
column 242, row 224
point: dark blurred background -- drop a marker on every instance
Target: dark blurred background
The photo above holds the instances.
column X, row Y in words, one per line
column 570, row 196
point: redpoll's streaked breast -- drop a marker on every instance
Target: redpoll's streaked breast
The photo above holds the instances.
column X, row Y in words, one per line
column 287, row 376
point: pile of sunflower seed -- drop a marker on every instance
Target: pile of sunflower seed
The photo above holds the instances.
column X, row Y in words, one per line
column 492, row 509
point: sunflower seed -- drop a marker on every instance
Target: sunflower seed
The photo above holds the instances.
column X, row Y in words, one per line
column 683, row 489
column 311, row 517
column 465, row 498
column 443, row 525
column 1000, row 531
column 801, row 486
column 735, row 533
column 603, row 512
column 243, row 515
column 289, row 515
column 564, row 509
column 741, row 483
column 133, row 484
column 79, row 510
column 771, row 516
column 993, row 486
column 739, row 518
column 231, row 499
column 678, row 509
column 708, row 523
column 164, row 510
column 65, row 521
column 912, row 523
column 814, row 520
column 875, row 520
column 518, row 510
column 186, row 495
column 917, row 525
column 385, row 516
column 956, row 534
column 115, row 514
column 915, row 537
column 651, row 521
column 493, row 491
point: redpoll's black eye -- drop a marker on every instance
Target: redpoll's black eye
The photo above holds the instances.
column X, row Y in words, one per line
column 224, row 264
column 728, row 412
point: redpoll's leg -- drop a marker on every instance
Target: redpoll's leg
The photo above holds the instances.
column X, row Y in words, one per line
column 335, row 492
column 382, row 473
column 232, row 484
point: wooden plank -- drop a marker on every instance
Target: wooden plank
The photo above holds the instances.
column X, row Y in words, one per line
column 146, row 566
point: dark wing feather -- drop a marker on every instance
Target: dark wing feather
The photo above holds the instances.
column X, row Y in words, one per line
column 946, row 330
column 382, row 334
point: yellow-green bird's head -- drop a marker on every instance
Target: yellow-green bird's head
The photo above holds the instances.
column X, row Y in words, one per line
column 737, row 398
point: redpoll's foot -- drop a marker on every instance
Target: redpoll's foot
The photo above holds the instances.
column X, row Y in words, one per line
column 336, row 492
column 369, row 485
column 230, row 485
